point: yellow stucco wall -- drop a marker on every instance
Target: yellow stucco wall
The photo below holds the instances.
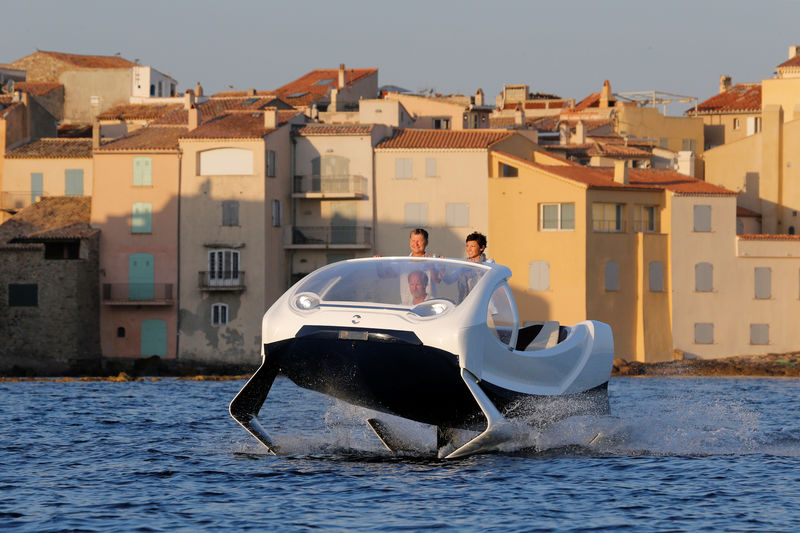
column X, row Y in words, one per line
column 647, row 122
column 784, row 92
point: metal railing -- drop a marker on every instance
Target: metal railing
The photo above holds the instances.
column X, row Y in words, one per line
column 138, row 293
column 227, row 280
column 609, row 225
column 327, row 236
column 339, row 184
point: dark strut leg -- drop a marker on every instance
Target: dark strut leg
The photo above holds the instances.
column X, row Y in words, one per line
column 245, row 406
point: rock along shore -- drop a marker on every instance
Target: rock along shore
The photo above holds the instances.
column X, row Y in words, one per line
column 765, row 365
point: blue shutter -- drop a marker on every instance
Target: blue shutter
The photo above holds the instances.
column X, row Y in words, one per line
column 36, row 186
column 142, row 172
column 154, row 338
column 141, row 275
column 74, row 182
column 142, row 218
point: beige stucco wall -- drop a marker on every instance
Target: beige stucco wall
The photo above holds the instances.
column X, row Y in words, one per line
column 113, row 86
column 113, row 196
column 17, row 176
column 259, row 243
column 784, row 92
column 722, row 129
column 427, row 109
column 737, row 167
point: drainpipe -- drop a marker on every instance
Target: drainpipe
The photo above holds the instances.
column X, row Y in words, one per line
column 293, row 211
column 178, row 255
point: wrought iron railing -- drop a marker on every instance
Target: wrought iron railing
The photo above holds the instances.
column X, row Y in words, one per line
column 325, row 236
column 226, row 280
column 137, row 293
column 333, row 184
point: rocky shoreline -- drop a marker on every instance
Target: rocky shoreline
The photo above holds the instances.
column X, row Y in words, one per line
column 154, row 368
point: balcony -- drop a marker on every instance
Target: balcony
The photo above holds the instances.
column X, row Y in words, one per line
column 151, row 294
column 341, row 187
column 13, row 201
column 608, row 225
column 327, row 237
column 230, row 280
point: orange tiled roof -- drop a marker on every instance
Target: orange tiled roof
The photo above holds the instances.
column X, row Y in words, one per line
column 444, row 139
column 12, row 105
column 236, row 125
column 792, row 62
column 53, row 148
column 549, row 103
column 315, row 85
column 35, row 88
column 590, row 101
column 768, row 237
column 742, row 97
column 150, row 138
column 85, row 61
column 218, row 106
column 74, row 131
column 602, row 149
column 335, row 129
column 138, row 111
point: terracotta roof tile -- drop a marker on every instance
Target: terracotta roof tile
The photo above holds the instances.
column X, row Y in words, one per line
column 138, row 111
column 85, row 61
column 742, row 97
column 744, row 212
column 53, row 217
column 53, row 148
column 150, row 138
column 768, row 237
column 235, row 125
column 617, row 150
column 215, row 107
column 74, row 131
column 335, row 129
column 444, row 139
column 5, row 111
column 37, row 88
column 315, row 85
column 590, row 101
column 792, row 62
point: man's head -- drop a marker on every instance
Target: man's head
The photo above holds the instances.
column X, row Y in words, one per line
column 476, row 244
column 418, row 241
column 418, row 284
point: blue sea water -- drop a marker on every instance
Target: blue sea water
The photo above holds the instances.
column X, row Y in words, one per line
column 675, row 455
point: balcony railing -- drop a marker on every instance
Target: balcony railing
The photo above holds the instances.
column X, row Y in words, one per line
column 16, row 200
column 137, row 294
column 340, row 237
column 609, row 225
column 329, row 186
column 229, row 280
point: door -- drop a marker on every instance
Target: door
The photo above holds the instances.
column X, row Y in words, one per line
column 154, row 338
column 140, row 277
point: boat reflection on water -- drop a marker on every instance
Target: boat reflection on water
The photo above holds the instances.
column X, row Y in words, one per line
column 436, row 341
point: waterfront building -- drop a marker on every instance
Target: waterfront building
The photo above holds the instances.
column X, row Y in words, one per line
column 330, row 89
column 445, row 112
column 438, row 180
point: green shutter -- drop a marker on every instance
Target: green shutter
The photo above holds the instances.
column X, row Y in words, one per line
column 154, row 338
column 74, row 182
column 142, row 218
column 36, row 186
column 142, row 172
column 141, row 275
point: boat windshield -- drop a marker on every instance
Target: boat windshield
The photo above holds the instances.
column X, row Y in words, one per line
column 401, row 282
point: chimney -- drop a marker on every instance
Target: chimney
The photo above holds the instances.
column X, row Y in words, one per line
column 341, row 76
column 188, row 100
column 580, row 133
column 194, row 118
column 270, row 118
column 95, row 135
column 198, row 90
column 606, row 95
column 251, row 92
column 794, row 51
column 519, row 116
column 724, row 83
column 479, row 97
column 621, row 172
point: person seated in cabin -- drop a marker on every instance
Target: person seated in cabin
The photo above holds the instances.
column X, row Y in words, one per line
column 418, row 287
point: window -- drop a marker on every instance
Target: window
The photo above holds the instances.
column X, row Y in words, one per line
column 271, row 163
column 612, row 276
column 644, row 218
column 704, row 333
column 507, row 171
column 142, row 172
column 457, row 215
column 476, row 122
column 607, row 217
column 73, row 185
column 402, row 168
column 656, row 275
column 759, row 333
column 753, row 125
column 23, row 295
column 702, row 218
column 36, row 186
column 219, row 314
column 430, row 167
column 539, row 276
column 277, row 213
column 142, row 218
column 223, row 267
column 703, row 277
column 230, row 213
column 441, row 123
column 225, row 162
column 736, row 124
column 120, row 332
column 689, row 145
column 416, row 215
column 62, row 250
column 663, row 142
column 501, row 316
column 763, row 280
column 557, row 217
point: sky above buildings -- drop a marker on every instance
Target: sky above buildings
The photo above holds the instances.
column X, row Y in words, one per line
column 567, row 47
